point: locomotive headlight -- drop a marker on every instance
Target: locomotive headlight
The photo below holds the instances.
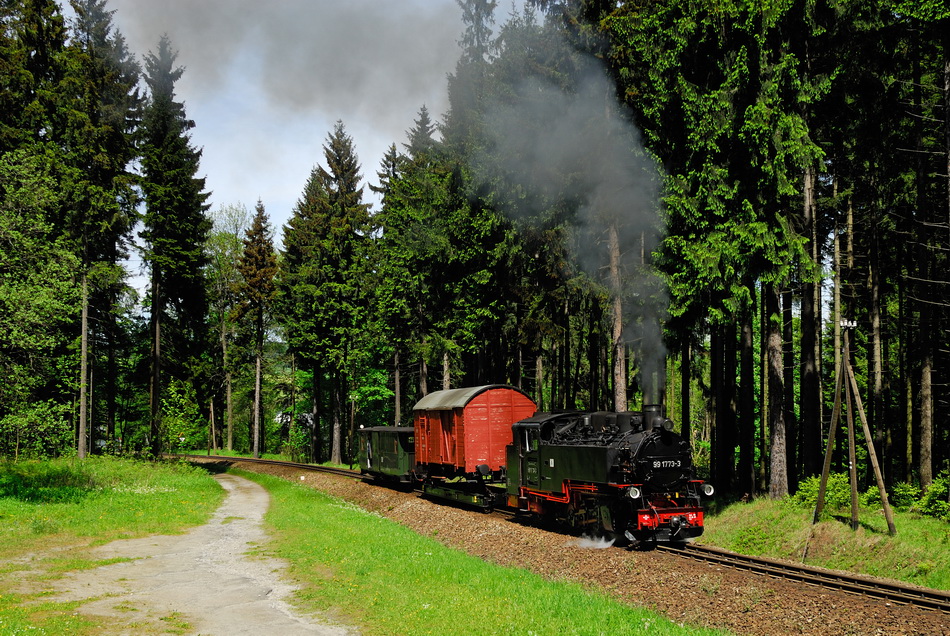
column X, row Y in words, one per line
column 708, row 490
column 634, row 492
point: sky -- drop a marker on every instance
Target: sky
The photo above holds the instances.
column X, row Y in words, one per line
column 265, row 83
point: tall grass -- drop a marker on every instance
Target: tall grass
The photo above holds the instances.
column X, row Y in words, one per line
column 71, row 505
column 370, row 571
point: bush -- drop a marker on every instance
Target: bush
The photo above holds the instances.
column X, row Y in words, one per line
column 37, row 430
column 902, row 495
column 936, row 501
column 837, row 492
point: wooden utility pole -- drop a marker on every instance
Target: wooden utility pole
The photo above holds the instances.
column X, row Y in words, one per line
column 843, row 370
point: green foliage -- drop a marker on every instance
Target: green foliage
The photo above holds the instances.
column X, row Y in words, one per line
column 936, row 501
column 36, row 430
column 901, row 495
column 837, row 492
column 181, row 417
column 38, row 290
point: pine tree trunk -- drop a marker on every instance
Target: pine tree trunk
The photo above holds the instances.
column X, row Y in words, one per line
column 778, row 473
column 316, row 439
column 619, row 357
column 685, row 365
column 745, row 480
column 716, row 395
column 83, row 367
column 926, row 419
column 257, row 404
column 336, row 444
column 423, row 378
column 539, row 380
column 788, row 381
column 876, row 401
column 397, row 389
column 155, row 389
column 446, row 372
column 811, row 334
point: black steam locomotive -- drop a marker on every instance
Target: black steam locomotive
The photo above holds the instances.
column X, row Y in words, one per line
column 622, row 475
column 626, row 476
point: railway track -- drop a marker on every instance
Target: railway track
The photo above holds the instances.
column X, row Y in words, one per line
column 936, row 600
column 343, row 472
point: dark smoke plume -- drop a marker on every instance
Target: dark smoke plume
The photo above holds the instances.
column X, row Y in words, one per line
column 577, row 145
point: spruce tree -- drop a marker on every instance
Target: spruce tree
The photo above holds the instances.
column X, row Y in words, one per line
column 256, row 290
column 176, row 226
column 299, row 278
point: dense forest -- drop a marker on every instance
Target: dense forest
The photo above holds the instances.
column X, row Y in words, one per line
column 714, row 206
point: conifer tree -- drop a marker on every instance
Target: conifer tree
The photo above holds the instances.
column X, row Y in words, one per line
column 176, row 226
column 104, row 110
column 341, row 296
column 256, row 290
column 298, row 279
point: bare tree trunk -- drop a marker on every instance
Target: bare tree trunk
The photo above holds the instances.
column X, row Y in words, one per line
column 336, row 456
column 446, row 372
column 810, row 416
column 316, row 439
column 83, row 367
column 619, row 351
column 763, row 316
column 155, row 390
column 397, row 389
column 685, row 365
column 257, row 404
column 876, row 401
column 788, row 380
column 778, row 474
column 746, row 420
column 423, row 378
column 926, row 419
column 539, row 380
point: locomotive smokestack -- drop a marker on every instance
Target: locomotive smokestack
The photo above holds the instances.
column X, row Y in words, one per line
column 653, row 416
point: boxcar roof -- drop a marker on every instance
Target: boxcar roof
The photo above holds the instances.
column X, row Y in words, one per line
column 457, row 398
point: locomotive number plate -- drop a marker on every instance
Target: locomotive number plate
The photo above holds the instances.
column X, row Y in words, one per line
column 667, row 463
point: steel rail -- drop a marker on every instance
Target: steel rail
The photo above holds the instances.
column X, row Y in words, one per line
column 922, row 597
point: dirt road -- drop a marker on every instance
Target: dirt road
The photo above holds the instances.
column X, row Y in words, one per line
column 202, row 582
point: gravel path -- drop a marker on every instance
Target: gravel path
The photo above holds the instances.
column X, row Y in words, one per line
column 202, row 582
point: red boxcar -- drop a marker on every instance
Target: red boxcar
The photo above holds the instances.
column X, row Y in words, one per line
column 459, row 430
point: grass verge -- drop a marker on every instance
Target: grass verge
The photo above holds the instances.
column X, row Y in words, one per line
column 52, row 512
column 369, row 571
column 919, row 553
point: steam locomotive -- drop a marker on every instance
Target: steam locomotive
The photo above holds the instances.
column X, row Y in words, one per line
column 626, row 476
